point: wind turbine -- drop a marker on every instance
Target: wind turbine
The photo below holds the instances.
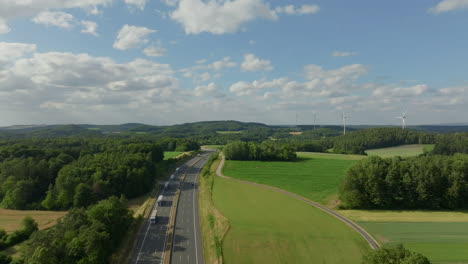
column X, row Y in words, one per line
column 403, row 120
column 344, row 123
column 315, row 119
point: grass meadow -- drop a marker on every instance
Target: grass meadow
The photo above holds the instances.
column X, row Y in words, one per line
column 315, row 176
column 402, row 151
column 269, row 227
column 171, row 154
column 441, row 242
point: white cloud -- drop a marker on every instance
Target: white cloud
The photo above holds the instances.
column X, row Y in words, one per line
column 343, row 53
column 449, row 5
column 219, row 17
column 221, row 64
column 132, row 37
column 89, row 27
column 58, row 19
column 154, row 51
column 170, row 2
column 252, row 63
column 303, row 10
column 4, row 28
column 27, row 8
column 140, row 4
column 206, row 90
column 398, row 91
column 12, row 51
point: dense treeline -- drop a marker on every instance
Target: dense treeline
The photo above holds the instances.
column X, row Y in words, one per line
column 28, row 227
column 451, row 143
column 424, row 182
column 82, row 236
column 395, row 255
column 58, row 173
column 240, row 150
column 359, row 141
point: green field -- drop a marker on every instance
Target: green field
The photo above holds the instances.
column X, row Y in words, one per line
column 442, row 243
column 315, row 176
column 171, row 154
column 402, row 151
column 269, row 227
column 228, row 132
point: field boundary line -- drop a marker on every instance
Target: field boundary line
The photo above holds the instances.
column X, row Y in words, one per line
column 372, row 241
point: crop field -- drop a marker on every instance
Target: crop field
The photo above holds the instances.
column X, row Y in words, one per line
column 402, row 151
column 269, row 227
column 171, row 154
column 441, row 242
column 315, row 176
column 10, row 220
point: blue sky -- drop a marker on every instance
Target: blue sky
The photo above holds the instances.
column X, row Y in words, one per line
column 174, row 61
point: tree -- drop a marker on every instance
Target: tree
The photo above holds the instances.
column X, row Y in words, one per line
column 394, row 255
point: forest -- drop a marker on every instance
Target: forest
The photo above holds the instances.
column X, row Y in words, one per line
column 240, row 150
column 60, row 173
column 423, row 182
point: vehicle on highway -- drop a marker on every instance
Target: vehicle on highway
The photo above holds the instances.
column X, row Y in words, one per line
column 166, row 186
column 154, row 216
column 160, row 200
column 177, row 169
column 172, row 177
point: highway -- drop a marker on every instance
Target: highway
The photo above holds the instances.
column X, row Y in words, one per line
column 151, row 239
column 187, row 247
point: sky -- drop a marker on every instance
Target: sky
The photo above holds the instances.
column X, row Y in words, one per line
column 174, row 61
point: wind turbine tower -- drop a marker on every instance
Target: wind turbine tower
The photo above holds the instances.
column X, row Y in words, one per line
column 403, row 120
column 344, row 123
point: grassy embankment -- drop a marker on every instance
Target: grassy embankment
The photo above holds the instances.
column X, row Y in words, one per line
column 315, row 176
column 402, row 151
column 213, row 224
column 269, row 227
column 171, row 154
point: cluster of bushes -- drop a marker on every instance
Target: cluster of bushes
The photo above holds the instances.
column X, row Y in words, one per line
column 240, row 150
column 82, row 236
column 358, row 141
column 29, row 226
column 424, row 182
column 206, row 169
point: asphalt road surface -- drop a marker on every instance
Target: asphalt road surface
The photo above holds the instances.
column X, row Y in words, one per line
column 151, row 239
column 187, row 247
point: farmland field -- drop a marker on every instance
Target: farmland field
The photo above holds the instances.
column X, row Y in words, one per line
column 402, row 151
column 268, row 227
column 10, row 220
column 171, row 154
column 442, row 243
column 315, row 176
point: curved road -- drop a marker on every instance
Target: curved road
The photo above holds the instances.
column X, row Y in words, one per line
column 372, row 242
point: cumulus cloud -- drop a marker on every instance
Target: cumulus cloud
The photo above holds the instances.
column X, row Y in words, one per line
column 219, row 17
column 89, row 27
column 11, row 51
column 207, row 90
column 58, row 19
column 4, row 28
column 132, row 37
column 449, row 5
column 29, row 8
column 140, row 4
column 399, row 91
column 154, row 51
column 303, row 10
column 252, row 63
column 343, row 53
